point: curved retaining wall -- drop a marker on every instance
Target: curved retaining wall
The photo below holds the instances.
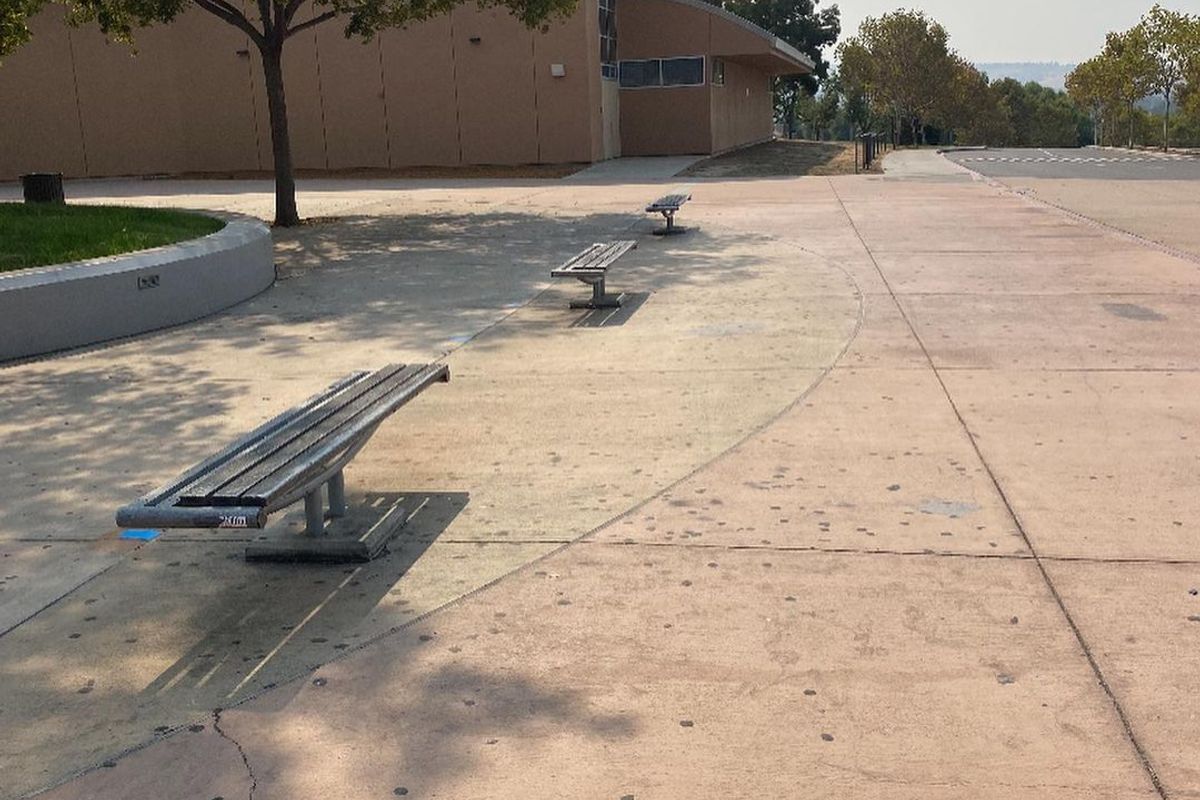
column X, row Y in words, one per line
column 68, row 305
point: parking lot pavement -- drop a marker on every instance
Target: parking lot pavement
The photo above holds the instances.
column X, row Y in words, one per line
column 1085, row 162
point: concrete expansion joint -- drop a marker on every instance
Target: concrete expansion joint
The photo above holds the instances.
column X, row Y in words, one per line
column 245, row 759
column 1140, row 752
column 55, row 601
column 914, row 553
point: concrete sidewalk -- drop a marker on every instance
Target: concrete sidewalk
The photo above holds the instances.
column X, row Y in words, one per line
column 1159, row 205
column 891, row 498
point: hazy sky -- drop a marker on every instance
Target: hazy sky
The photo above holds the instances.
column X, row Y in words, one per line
column 1018, row 30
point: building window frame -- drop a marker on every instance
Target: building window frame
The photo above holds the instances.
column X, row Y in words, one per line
column 656, row 81
column 608, row 40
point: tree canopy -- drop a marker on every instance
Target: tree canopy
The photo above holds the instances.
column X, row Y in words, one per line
column 903, row 63
column 1160, row 55
column 900, row 72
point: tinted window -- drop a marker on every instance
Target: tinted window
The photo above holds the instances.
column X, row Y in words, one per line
column 683, row 71
column 641, row 73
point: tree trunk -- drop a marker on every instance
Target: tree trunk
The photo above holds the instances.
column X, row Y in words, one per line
column 1130, row 124
column 1167, row 123
column 281, row 146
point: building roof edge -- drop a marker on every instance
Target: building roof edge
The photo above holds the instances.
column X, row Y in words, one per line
column 779, row 45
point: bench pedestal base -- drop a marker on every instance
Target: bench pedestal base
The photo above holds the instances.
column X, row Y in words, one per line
column 361, row 535
column 607, row 301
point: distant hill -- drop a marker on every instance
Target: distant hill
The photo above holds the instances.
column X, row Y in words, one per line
column 1050, row 73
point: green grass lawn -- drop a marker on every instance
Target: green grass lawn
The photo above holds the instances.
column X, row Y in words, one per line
column 33, row 235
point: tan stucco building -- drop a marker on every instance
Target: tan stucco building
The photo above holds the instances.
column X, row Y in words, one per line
column 618, row 77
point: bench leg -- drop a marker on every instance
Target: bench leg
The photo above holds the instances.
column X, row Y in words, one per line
column 670, row 230
column 337, row 495
column 314, row 514
column 598, row 293
column 600, row 298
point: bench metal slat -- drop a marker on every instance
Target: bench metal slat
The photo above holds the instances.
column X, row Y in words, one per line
column 578, row 261
column 614, row 250
column 618, row 249
column 595, row 260
column 334, row 441
column 196, row 492
column 670, row 202
column 283, row 449
column 305, row 446
column 169, row 490
column 603, row 256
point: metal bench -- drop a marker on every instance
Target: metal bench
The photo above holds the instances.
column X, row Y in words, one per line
column 290, row 458
column 667, row 206
column 590, row 266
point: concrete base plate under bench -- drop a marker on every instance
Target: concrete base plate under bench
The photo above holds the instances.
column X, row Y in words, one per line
column 362, row 534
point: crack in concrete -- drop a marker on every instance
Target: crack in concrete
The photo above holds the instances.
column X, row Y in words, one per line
column 216, row 716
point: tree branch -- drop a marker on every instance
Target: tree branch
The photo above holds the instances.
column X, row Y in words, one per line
column 269, row 27
column 290, row 10
column 226, row 12
column 312, row 23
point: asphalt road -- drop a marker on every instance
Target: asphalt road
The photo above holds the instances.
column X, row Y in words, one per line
column 1085, row 162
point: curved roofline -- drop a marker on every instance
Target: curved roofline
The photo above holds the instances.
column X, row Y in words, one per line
column 777, row 43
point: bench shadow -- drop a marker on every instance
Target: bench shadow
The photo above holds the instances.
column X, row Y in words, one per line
column 613, row 317
column 281, row 620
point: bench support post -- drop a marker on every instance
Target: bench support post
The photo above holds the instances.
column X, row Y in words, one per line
column 670, row 230
column 600, row 298
column 337, row 495
column 598, row 293
column 314, row 514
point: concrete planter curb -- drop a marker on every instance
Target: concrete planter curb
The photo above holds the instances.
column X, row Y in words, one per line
column 46, row 309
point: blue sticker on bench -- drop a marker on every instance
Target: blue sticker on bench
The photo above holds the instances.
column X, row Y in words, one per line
column 141, row 535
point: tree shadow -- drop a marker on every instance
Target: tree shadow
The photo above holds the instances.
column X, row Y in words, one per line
column 78, row 444
column 241, row 628
column 87, row 433
column 446, row 724
column 281, row 620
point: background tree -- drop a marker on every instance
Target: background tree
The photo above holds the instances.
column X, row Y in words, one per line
column 1171, row 40
column 975, row 110
column 1132, row 67
column 269, row 27
column 903, row 61
column 802, row 25
column 1094, row 85
column 853, row 113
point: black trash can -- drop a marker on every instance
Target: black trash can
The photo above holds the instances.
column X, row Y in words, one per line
column 43, row 187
